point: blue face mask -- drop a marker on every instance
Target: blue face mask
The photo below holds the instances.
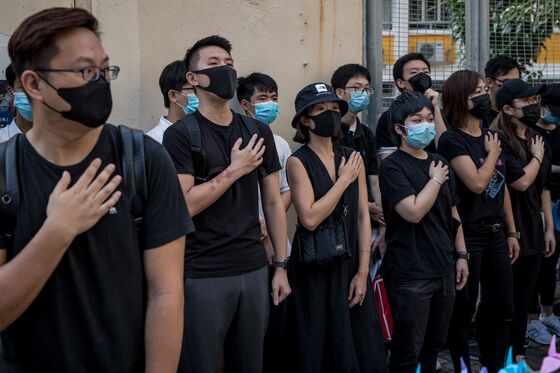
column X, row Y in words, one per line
column 358, row 102
column 192, row 103
column 23, row 106
column 267, row 111
column 550, row 118
column 420, row 135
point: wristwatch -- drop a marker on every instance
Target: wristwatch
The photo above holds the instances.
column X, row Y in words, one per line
column 462, row 255
column 514, row 235
column 281, row 263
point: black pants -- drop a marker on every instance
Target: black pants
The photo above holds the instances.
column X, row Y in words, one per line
column 225, row 315
column 546, row 287
column 275, row 338
column 489, row 267
column 421, row 311
column 525, row 276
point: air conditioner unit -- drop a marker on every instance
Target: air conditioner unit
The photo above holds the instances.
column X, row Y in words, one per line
column 432, row 51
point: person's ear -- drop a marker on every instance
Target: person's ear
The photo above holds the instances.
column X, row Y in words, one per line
column 307, row 122
column 192, row 79
column 400, row 84
column 31, row 84
column 489, row 82
column 340, row 93
column 399, row 130
column 247, row 106
column 508, row 110
column 172, row 95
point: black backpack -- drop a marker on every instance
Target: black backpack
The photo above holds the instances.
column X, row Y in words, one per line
column 133, row 166
column 202, row 174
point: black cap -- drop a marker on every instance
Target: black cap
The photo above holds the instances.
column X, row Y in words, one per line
column 516, row 88
column 313, row 94
column 551, row 98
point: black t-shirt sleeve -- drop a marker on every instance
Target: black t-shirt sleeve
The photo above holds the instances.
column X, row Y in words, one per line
column 166, row 216
column 393, row 183
column 176, row 142
column 451, row 146
column 382, row 134
column 514, row 167
column 373, row 168
column 270, row 163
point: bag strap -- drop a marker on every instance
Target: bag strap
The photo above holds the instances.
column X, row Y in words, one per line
column 134, row 170
column 9, row 179
column 252, row 126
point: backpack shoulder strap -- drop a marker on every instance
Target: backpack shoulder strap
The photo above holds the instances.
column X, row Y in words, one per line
column 134, row 169
column 9, row 179
column 197, row 152
column 250, row 124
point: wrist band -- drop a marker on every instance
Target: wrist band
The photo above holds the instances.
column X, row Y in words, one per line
column 437, row 180
column 538, row 160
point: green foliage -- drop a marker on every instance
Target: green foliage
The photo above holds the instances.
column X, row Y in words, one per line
column 518, row 28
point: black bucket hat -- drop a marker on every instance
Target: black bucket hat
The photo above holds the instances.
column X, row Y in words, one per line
column 314, row 94
column 551, row 98
column 516, row 88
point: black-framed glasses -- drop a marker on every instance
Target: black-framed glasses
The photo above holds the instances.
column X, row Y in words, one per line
column 531, row 101
column 369, row 90
column 90, row 73
column 502, row 81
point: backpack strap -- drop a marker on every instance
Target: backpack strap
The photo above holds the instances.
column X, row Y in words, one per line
column 134, row 170
column 9, row 180
column 252, row 126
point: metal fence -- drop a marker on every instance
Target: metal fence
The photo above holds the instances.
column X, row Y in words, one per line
column 458, row 34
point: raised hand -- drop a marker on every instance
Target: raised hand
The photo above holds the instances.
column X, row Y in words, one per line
column 75, row 210
column 492, row 143
column 537, row 148
column 350, row 169
column 247, row 159
column 439, row 171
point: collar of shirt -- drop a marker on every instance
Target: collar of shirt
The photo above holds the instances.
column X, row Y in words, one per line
column 9, row 131
column 164, row 123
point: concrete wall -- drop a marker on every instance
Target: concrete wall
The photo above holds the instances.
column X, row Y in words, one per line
column 295, row 41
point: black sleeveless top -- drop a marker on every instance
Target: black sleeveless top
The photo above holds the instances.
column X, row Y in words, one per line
column 322, row 183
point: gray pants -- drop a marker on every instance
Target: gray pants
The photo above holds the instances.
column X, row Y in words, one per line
column 225, row 315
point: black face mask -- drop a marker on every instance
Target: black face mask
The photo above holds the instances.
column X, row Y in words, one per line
column 327, row 124
column 223, row 81
column 420, row 82
column 90, row 104
column 531, row 115
column 481, row 106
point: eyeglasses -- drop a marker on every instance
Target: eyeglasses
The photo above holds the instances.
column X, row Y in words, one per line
column 90, row 73
column 502, row 81
column 369, row 91
column 531, row 101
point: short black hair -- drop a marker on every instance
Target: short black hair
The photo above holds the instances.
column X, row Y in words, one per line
column 10, row 75
column 246, row 86
column 191, row 57
column 398, row 67
column 405, row 105
column 344, row 73
column 500, row 65
column 173, row 77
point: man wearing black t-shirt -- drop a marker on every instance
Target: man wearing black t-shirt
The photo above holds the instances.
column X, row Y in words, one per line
column 82, row 289
column 497, row 71
column 411, row 73
column 226, row 305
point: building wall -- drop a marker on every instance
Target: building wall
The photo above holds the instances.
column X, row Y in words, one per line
column 295, row 41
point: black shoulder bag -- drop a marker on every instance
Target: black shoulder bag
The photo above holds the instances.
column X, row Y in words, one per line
column 328, row 243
